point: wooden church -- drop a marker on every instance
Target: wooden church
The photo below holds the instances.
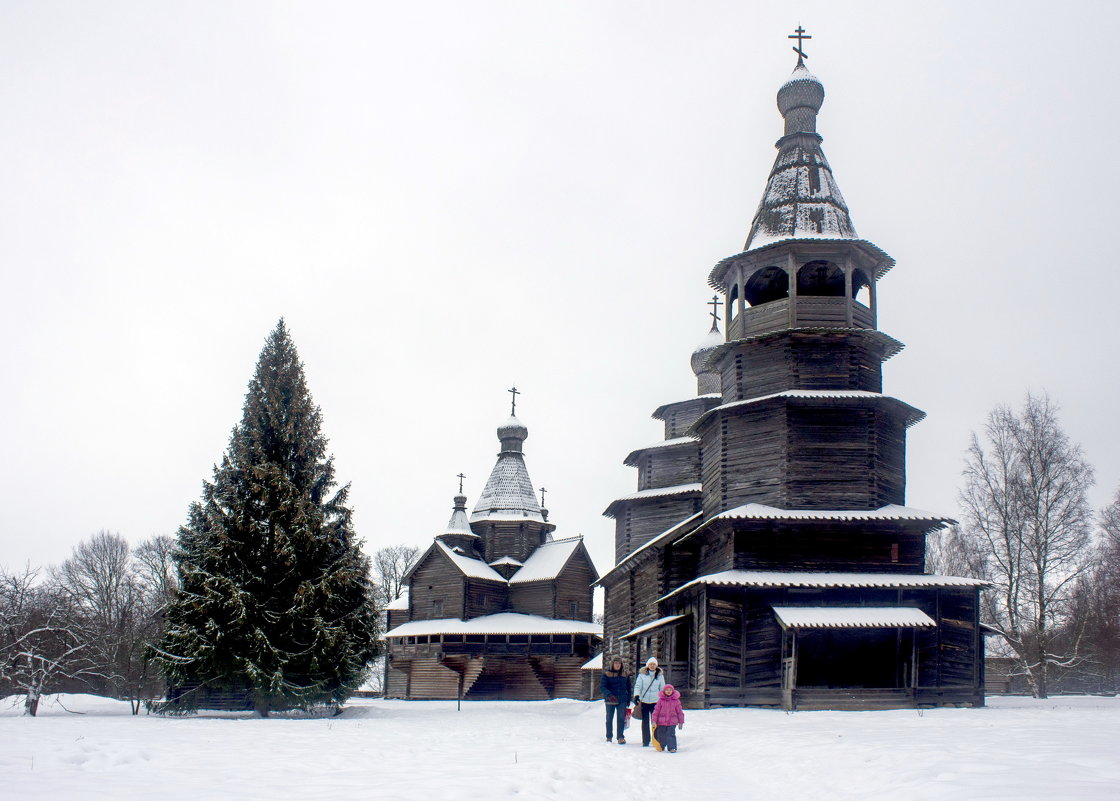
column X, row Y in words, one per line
column 768, row 557
column 496, row 608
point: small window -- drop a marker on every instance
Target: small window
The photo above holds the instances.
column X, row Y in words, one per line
column 573, row 609
column 437, row 608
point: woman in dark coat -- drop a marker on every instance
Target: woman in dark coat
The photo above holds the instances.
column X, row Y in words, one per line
column 615, row 688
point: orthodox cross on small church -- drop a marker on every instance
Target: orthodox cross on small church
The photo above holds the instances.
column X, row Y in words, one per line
column 714, row 313
column 513, row 405
column 799, row 35
column 460, row 477
column 543, row 491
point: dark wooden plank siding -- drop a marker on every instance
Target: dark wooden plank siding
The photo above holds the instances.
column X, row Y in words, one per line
column 437, row 589
column 485, row 598
column 573, row 587
column 643, row 519
column 829, row 547
column 535, row 598
column 743, row 453
column 669, row 466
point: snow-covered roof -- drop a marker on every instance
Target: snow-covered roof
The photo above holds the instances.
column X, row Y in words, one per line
column 506, row 560
column 659, row 412
column 656, row 624
column 782, row 578
column 500, row 623
column 594, row 663
column 658, row 540
column 472, row 568
column 665, row 443
column 400, row 602
column 851, row 617
column 758, row 511
column 914, row 416
column 547, row 561
column 657, row 492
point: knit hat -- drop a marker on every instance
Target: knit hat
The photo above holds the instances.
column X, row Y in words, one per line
column 651, row 662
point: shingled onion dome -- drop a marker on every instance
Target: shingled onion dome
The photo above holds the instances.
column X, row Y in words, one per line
column 509, row 492
column 801, row 199
column 707, row 373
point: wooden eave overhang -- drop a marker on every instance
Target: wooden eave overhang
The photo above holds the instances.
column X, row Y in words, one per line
column 817, row 397
column 889, row 347
column 874, row 254
column 680, row 490
column 667, row 537
column 631, row 459
column 762, row 579
column 660, row 412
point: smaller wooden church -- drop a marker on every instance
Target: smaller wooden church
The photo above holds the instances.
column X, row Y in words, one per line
column 497, row 609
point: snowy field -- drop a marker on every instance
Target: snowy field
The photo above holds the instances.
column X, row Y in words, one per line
column 82, row 747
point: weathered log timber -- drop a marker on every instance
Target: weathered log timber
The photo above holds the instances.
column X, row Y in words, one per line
column 496, row 608
column 768, row 557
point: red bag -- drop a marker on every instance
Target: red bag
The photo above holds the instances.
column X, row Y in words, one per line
column 629, row 714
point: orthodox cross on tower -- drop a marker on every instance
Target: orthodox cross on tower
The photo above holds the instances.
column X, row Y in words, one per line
column 513, row 404
column 460, row 477
column 799, row 35
column 543, row 491
column 714, row 313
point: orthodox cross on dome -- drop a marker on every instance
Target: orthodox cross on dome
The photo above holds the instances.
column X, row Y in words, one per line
column 714, row 313
column 543, row 491
column 799, row 35
column 513, row 405
column 460, row 477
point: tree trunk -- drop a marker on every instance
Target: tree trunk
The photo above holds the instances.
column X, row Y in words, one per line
column 32, row 704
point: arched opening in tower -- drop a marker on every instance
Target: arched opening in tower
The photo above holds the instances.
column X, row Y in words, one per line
column 820, row 279
column 768, row 284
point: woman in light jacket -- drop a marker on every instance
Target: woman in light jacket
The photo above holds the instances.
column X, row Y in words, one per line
column 648, row 685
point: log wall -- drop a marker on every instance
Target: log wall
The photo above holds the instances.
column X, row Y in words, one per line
column 669, row 466
column 830, row 547
column 639, row 521
column 436, row 581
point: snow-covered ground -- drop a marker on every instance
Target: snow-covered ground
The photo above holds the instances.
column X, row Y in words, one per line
column 82, row 747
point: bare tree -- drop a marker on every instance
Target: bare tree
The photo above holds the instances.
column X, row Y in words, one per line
column 1100, row 603
column 390, row 564
column 1026, row 529
column 154, row 566
column 44, row 639
column 119, row 598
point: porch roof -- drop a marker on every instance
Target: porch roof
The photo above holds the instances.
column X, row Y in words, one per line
column 500, row 623
column 793, row 578
column 851, row 617
column 656, row 624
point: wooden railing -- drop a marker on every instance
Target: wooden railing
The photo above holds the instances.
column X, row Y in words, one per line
column 811, row 312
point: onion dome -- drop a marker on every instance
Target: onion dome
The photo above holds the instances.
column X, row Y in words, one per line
column 707, row 376
column 800, row 99
column 512, row 433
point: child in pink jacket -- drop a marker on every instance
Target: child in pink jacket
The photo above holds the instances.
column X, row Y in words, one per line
column 667, row 716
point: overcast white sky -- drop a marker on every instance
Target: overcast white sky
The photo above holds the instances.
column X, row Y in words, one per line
column 444, row 199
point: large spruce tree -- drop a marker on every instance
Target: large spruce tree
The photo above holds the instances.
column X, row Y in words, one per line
column 275, row 596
